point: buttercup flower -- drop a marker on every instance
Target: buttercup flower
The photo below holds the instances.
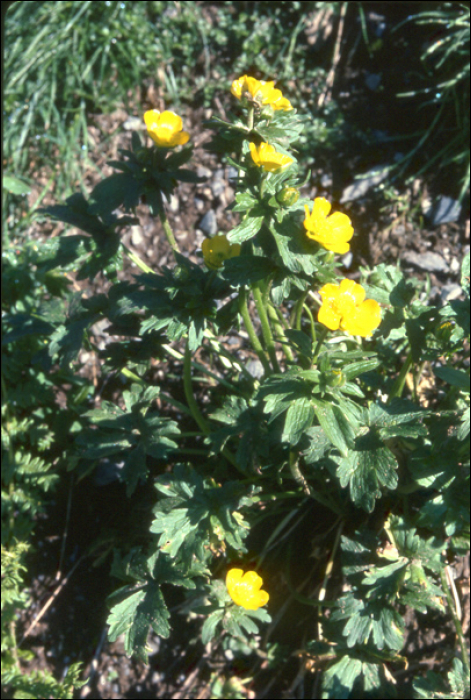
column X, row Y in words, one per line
column 244, row 589
column 218, row 249
column 267, row 157
column 260, row 91
column 165, row 128
column 332, row 232
column 344, row 306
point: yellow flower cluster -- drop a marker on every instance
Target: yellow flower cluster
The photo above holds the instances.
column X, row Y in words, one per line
column 344, row 306
column 165, row 128
column 332, row 232
column 260, row 91
column 244, row 589
column 217, row 249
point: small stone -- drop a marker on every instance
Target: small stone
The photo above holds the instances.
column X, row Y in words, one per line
column 136, row 236
column 443, row 211
column 364, row 183
column 172, row 202
column 431, row 262
column 208, row 223
column 373, row 81
column 450, row 291
column 232, row 173
column 133, row 124
column 347, row 259
column 218, row 187
column 255, row 368
column 326, row 181
column 201, row 171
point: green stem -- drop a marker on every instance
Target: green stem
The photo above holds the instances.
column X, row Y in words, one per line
column 299, row 310
column 307, row 488
column 282, row 319
column 190, row 399
column 266, row 330
column 456, row 620
column 215, row 346
column 322, row 336
column 311, row 319
column 296, row 472
column 256, row 344
column 398, row 386
column 165, row 397
column 168, row 231
column 194, row 408
column 137, row 260
column 281, row 333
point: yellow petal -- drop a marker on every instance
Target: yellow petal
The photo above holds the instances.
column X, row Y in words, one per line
column 364, row 320
column 321, row 207
column 244, row 589
column 328, row 317
column 351, row 289
column 266, row 156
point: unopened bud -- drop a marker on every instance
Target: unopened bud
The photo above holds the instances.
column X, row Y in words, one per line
column 288, row 196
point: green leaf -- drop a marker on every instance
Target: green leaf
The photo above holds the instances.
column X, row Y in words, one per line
column 385, row 581
column 463, row 430
column 318, row 445
column 246, row 230
column 22, row 325
column 330, row 424
column 75, row 212
column 465, row 274
column 15, row 185
column 354, row 369
column 134, row 616
column 388, row 286
column 298, row 419
column 301, row 341
column 455, row 377
column 398, row 412
column 340, row 677
column 97, row 444
column 367, row 618
column 245, row 201
column 366, row 470
column 246, row 269
column 114, row 191
column 208, row 630
column 195, row 512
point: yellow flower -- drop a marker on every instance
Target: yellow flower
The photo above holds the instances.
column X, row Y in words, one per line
column 260, row 91
column 344, row 306
column 267, row 157
column 218, row 249
column 332, row 232
column 244, row 589
column 165, row 128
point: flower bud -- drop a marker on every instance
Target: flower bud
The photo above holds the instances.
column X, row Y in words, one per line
column 335, row 378
column 444, row 330
column 288, row 196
